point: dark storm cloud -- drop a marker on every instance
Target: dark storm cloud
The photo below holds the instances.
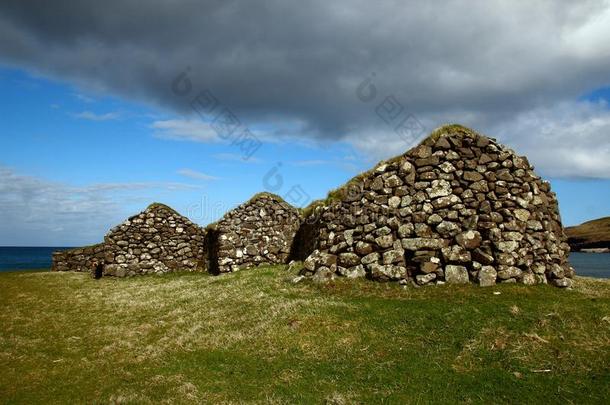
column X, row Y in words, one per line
column 297, row 64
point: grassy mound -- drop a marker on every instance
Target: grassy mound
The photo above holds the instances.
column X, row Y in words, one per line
column 254, row 336
column 591, row 234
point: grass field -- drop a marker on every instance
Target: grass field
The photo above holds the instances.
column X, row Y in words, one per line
column 255, row 337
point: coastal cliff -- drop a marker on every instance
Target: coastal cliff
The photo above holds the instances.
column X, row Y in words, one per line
column 590, row 236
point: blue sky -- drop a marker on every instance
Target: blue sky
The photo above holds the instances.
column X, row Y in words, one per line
column 92, row 129
column 57, row 133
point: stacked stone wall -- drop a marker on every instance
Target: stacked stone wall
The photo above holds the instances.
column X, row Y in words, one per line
column 259, row 231
column 158, row 240
column 458, row 208
column 79, row 259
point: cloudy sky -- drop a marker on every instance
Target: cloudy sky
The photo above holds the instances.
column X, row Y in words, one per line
column 107, row 106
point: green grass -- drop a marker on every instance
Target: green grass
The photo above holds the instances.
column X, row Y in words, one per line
column 254, row 336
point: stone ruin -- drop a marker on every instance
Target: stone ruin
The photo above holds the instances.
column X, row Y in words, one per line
column 259, row 231
column 157, row 240
column 458, row 208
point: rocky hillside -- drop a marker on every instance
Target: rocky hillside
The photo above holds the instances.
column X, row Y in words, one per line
column 590, row 235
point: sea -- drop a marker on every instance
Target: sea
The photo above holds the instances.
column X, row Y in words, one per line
column 29, row 258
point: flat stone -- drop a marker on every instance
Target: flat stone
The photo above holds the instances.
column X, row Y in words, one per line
column 422, row 279
column 363, row 248
column 522, row 214
column 562, row 282
column 482, row 257
column 428, row 267
column 387, row 272
column 506, row 272
column 472, row 176
column 406, row 230
column 323, row 275
column 447, row 167
column 507, row 246
column 456, row 274
column 434, row 219
column 446, row 201
column 393, row 256
column 442, row 143
column 424, row 243
column 348, row 259
column 528, row 279
column 352, row 272
column 534, row 225
column 394, row 202
column 393, row 181
column 370, row 258
column 385, row 241
column 439, row 188
column 469, row 239
column 516, row 236
column 448, row 228
column 487, row 276
column 456, row 253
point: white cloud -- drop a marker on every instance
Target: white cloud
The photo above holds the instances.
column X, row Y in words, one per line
column 569, row 139
column 185, row 130
column 566, row 139
column 489, row 65
column 91, row 116
column 36, row 211
column 194, row 174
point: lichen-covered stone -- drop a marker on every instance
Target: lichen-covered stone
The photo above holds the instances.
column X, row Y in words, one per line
column 487, row 276
column 456, row 274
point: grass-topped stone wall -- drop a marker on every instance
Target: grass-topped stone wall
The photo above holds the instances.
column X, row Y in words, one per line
column 457, row 208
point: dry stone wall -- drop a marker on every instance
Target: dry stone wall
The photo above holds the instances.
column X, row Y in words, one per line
column 79, row 259
column 458, row 208
column 259, row 231
column 157, row 240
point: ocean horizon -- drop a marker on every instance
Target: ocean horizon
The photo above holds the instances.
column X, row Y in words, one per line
column 21, row 258
column 27, row 257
